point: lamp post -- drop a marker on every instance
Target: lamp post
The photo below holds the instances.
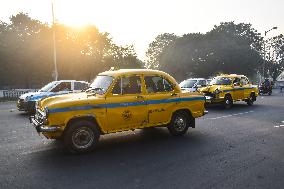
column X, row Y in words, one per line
column 54, row 45
column 264, row 58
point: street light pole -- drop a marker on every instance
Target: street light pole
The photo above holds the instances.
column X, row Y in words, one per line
column 264, row 58
column 54, row 45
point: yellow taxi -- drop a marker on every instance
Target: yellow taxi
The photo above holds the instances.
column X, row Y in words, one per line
column 116, row 101
column 228, row 88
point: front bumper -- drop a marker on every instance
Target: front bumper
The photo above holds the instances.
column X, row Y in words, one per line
column 210, row 99
column 22, row 105
column 27, row 106
column 40, row 127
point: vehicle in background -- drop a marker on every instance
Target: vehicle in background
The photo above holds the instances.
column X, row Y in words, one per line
column 191, row 85
column 26, row 102
column 117, row 101
column 265, row 87
column 226, row 89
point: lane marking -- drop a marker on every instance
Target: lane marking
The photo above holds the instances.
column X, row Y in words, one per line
column 230, row 115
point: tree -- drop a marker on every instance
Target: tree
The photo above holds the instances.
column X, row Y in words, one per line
column 275, row 56
column 227, row 48
column 157, row 48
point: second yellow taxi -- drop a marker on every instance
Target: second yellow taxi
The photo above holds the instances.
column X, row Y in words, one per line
column 226, row 89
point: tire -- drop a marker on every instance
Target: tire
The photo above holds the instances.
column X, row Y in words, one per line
column 179, row 123
column 251, row 99
column 81, row 136
column 228, row 102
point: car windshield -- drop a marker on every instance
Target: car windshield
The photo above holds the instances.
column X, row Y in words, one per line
column 47, row 87
column 101, row 84
column 221, row 81
column 187, row 83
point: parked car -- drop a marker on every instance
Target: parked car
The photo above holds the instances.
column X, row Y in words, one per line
column 26, row 102
column 118, row 101
column 226, row 89
column 191, row 85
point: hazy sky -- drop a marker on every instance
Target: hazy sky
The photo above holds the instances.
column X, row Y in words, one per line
column 138, row 22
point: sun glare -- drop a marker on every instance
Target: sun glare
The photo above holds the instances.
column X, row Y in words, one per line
column 71, row 13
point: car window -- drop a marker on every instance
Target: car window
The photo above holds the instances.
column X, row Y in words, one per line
column 188, row 83
column 80, row 86
column 202, row 83
column 63, row 86
column 244, row 81
column 157, row 84
column 127, row 85
column 221, row 81
column 237, row 81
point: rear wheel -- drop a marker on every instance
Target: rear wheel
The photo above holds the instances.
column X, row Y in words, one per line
column 81, row 136
column 228, row 102
column 180, row 122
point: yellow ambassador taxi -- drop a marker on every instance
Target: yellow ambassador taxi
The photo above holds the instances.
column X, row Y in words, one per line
column 118, row 101
column 226, row 89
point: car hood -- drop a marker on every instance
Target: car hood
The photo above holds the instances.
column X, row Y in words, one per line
column 33, row 96
column 68, row 100
column 210, row 88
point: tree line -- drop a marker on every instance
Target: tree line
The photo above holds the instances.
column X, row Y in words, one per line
column 26, row 52
column 227, row 48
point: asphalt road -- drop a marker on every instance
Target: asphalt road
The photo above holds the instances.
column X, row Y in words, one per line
column 238, row 148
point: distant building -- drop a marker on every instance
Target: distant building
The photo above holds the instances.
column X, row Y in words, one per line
column 280, row 81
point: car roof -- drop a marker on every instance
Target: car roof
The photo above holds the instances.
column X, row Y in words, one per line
column 70, row 81
column 132, row 71
column 230, row 75
column 195, row 79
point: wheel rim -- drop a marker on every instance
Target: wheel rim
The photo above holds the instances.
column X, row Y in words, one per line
column 83, row 138
column 227, row 102
column 180, row 123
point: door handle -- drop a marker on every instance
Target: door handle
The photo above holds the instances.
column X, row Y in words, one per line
column 174, row 94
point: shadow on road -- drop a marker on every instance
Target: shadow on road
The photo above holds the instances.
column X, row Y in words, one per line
column 116, row 149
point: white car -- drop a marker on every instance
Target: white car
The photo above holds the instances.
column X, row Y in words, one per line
column 26, row 102
column 192, row 84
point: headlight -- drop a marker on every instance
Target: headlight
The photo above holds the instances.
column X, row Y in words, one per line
column 46, row 112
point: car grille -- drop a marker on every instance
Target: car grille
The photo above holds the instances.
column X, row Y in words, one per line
column 39, row 116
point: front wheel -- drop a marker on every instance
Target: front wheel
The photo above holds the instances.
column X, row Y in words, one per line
column 228, row 102
column 251, row 99
column 180, row 123
column 81, row 136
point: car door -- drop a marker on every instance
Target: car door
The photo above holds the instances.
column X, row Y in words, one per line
column 238, row 91
column 160, row 99
column 126, row 106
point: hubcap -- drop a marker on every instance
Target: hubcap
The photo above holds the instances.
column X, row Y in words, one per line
column 83, row 138
column 180, row 123
column 227, row 101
